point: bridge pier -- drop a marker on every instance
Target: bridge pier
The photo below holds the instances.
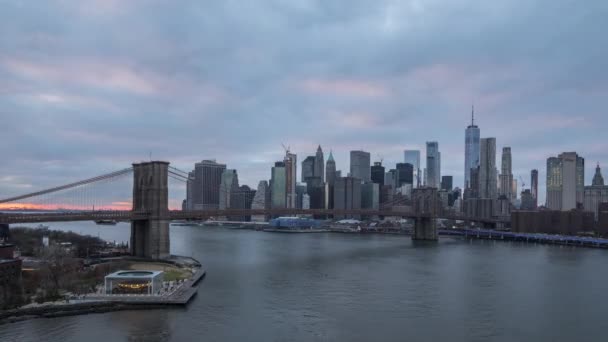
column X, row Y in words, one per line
column 150, row 237
column 426, row 206
column 425, row 228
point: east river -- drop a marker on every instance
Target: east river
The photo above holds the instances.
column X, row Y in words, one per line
column 342, row 287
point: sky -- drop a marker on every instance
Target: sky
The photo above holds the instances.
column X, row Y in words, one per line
column 91, row 86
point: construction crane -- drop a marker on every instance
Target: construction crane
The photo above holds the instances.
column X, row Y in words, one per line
column 523, row 184
column 285, row 148
column 380, row 158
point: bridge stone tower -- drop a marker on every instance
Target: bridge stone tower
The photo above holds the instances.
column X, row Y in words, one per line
column 150, row 237
column 426, row 206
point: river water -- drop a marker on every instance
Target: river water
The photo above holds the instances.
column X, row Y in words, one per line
column 339, row 287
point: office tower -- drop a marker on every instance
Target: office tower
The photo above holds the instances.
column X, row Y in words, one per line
column 596, row 193
column 316, row 190
column 319, row 163
column 471, row 150
column 413, row 157
column 300, row 191
column 506, row 175
column 278, row 194
column 308, row 168
column 261, row 200
column 378, row 173
column 433, row 164
column 447, row 183
column 291, row 169
column 534, row 186
column 360, row 165
column 390, row 178
column 405, row 174
column 206, row 185
column 565, row 181
column 330, row 169
column 229, row 184
column 370, row 196
column 528, row 202
column 347, row 194
column 514, row 191
column 242, row 198
column 487, row 168
column 189, row 203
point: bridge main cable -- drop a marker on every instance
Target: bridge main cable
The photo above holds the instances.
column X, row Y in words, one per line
column 69, row 186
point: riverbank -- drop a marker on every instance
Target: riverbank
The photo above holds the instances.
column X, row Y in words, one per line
column 102, row 304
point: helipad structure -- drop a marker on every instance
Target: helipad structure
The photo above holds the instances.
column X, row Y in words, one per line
column 134, row 282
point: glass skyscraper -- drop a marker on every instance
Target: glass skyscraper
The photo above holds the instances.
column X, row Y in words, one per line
column 413, row 157
column 471, row 150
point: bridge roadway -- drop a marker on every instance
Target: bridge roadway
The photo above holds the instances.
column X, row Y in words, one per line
column 64, row 216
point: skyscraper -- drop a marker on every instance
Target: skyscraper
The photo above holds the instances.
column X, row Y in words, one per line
column 278, row 193
column 308, row 168
column 378, row 173
column 487, row 168
column 433, row 164
column 330, row 170
column 319, row 164
column 291, row 169
column 596, row 193
column 534, row 186
column 347, row 194
column 506, row 175
column 360, row 165
column 447, row 183
column 471, row 149
column 261, row 200
column 413, row 157
column 205, row 187
column 565, row 181
column 229, row 185
column 405, row 174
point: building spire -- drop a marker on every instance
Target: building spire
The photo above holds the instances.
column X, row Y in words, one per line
column 473, row 115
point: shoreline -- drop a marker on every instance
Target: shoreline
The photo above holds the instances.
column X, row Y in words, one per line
column 96, row 305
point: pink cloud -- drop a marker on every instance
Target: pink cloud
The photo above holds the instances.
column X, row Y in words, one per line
column 344, row 87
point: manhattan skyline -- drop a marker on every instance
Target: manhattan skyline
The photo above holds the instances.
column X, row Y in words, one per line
column 77, row 99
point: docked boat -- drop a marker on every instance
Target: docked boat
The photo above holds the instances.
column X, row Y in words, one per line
column 106, row 222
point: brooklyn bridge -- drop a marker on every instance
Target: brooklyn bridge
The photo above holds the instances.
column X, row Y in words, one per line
column 150, row 215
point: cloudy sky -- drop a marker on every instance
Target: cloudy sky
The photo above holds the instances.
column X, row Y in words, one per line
column 88, row 87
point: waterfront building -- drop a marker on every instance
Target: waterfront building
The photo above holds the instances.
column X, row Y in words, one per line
column 596, row 193
column 319, row 164
column 134, row 282
column 308, row 168
column 228, row 185
column 291, row 170
column 278, row 194
column 261, row 200
column 347, row 195
column 405, row 174
column 534, row 186
column 205, row 188
column 413, row 157
column 447, row 183
column 506, row 175
column 471, row 150
column 433, row 165
column 360, row 165
column 565, row 181
column 377, row 173
column 569, row 222
column 487, row 168
column 330, row 169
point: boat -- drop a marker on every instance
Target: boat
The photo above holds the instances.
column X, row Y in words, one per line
column 106, row 222
column 42, row 226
